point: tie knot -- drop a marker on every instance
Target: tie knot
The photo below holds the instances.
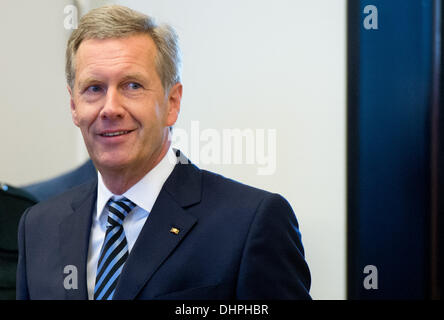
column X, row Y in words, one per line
column 118, row 210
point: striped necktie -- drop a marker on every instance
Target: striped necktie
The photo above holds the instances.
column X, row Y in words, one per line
column 114, row 250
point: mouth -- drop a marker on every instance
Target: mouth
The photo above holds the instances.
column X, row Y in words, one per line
column 115, row 133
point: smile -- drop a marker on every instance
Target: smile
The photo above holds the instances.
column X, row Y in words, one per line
column 114, row 134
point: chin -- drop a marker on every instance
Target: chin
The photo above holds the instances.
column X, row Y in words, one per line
column 112, row 162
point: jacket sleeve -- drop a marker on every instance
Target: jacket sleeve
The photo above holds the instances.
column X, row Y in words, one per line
column 273, row 265
column 21, row 283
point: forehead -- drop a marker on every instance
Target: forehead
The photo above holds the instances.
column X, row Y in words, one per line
column 106, row 55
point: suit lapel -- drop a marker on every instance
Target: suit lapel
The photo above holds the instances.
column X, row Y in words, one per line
column 157, row 239
column 74, row 239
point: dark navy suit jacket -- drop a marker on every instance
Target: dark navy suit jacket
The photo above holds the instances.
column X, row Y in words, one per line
column 234, row 242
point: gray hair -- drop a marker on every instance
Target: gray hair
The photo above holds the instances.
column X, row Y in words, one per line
column 119, row 22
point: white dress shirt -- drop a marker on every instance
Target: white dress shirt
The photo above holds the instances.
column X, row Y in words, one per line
column 144, row 193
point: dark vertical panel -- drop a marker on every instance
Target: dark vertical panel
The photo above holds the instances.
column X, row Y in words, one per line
column 353, row 23
column 389, row 153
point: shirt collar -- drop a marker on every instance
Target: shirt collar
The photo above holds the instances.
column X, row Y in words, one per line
column 144, row 193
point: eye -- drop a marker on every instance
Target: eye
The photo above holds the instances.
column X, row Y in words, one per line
column 134, row 86
column 93, row 89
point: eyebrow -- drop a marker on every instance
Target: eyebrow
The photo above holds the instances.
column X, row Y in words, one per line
column 132, row 76
column 136, row 75
column 87, row 81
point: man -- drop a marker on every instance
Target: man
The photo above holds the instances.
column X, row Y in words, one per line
column 152, row 226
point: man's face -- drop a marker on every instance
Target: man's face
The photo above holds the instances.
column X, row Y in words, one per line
column 119, row 103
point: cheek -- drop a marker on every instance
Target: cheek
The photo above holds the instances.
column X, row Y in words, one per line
column 151, row 116
column 86, row 117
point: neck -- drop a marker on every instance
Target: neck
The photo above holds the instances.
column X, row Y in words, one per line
column 118, row 181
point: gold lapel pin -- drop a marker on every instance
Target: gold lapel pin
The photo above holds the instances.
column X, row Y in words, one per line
column 174, row 230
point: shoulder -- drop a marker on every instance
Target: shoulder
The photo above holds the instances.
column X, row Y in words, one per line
column 238, row 194
column 57, row 207
column 188, row 180
column 220, row 183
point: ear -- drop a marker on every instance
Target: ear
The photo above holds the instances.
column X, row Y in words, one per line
column 73, row 106
column 173, row 103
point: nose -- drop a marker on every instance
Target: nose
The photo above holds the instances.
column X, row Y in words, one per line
column 113, row 108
